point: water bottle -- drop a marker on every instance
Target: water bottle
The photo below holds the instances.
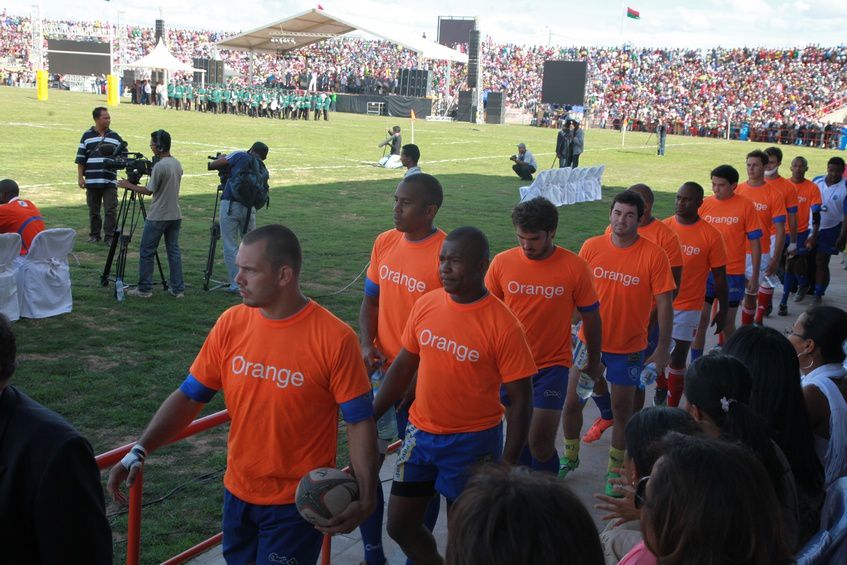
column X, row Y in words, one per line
column 119, row 289
column 584, row 386
column 386, row 426
column 772, row 280
column 649, row 374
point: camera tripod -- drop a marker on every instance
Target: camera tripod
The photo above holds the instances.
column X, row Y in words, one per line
column 131, row 204
column 214, row 236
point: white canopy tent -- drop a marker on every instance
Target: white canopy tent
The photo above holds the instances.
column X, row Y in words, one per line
column 160, row 59
column 317, row 25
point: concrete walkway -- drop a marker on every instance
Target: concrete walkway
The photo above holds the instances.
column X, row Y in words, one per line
column 590, row 477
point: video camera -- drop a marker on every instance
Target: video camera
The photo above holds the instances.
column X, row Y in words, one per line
column 223, row 174
column 116, row 159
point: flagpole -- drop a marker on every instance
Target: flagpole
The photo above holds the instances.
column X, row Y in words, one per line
column 623, row 9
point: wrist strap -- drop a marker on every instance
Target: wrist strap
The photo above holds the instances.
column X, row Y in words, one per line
column 135, row 457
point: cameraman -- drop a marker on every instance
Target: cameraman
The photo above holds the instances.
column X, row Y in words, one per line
column 99, row 182
column 163, row 218
column 236, row 218
column 525, row 164
column 395, row 140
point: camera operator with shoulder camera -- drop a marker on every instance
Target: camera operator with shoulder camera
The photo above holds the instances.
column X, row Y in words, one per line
column 395, row 141
column 237, row 216
column 163, row 218
column 99, row 183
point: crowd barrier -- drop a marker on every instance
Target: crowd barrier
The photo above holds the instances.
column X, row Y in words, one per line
column 394, row 105
column 108, row 459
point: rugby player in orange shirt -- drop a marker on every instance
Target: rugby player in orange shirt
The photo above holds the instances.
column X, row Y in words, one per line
column 808, row 208
column 285, row 365
column 464, row 344
column 403, row 267
column 542, row 284
column 770, row 206
column 630, row 272
column 735, row 217
column 704, row 253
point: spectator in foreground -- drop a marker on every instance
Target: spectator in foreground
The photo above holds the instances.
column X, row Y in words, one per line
column 51, row 501
column 17, row 215
column 513, row 517
column 705, row 503
column 410, row 154
column 777, row 397
column 525, row 164
column 818, row 337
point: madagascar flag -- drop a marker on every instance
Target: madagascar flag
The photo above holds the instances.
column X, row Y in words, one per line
column 634, row 14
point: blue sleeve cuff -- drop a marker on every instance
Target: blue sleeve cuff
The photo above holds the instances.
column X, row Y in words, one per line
column 816, row 207
column 779, row 220
column 196, row 391
column 755, row 234
column 359, row 409
column 791, row 209
column 591, row 308
column 371, row 288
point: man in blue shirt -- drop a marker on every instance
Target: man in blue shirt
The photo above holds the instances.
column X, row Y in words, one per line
column 236, row 218
column 525, row 163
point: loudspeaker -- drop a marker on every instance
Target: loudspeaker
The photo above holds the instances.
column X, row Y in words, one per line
column 563, row 82
column 160, row 29
column 216, row 68
column 473, row 58
column 465, row 111
column 200, row 63
column 495, row 108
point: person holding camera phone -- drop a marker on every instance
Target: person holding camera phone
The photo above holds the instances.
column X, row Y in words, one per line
column 98, row 181
column 163, row 218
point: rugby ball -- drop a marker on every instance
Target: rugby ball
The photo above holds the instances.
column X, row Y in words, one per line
column 323, row 493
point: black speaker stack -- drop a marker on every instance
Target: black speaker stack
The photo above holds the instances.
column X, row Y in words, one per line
column 473, row 57
column 414, row 82
column 495, row 108
column 214, row 70
column 160, row 30
column 466, row 111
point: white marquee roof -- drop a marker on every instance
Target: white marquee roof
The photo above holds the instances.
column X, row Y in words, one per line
column 316, row 25
column 161, row 58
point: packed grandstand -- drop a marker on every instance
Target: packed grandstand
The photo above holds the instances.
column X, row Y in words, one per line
column 783, row 94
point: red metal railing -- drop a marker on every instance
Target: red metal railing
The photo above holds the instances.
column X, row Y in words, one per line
column 133, row 534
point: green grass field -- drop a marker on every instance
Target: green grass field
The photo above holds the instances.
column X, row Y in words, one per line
column 106, row 367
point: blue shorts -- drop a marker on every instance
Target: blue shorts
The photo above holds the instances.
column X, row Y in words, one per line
column 735, row 284
column 802, row 236
column 549, row 388
column 443, row 462
column 267, row 535
column 652, row 340
column 826, row 240
column 623, row 368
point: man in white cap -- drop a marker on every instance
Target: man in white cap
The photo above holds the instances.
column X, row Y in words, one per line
column 525, row 163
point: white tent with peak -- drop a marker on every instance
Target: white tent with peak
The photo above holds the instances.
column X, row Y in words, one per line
column 161, row 59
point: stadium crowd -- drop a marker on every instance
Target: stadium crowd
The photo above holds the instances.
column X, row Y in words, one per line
column 779, row 93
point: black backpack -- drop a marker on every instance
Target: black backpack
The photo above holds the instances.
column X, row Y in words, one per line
column 250, row 185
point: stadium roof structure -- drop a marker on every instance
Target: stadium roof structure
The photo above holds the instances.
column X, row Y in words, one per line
column 317, row 25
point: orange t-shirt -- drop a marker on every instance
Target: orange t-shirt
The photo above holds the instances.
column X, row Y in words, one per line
column 703, row 250
column 808, row 201
column 770, row 207
column 283, row 381
column 627, row 280
column 543, row 295
column 661, row 235
column 789, row 195
column 403, row 271
column 17, row 214
column 737, row 221
column 466, row 352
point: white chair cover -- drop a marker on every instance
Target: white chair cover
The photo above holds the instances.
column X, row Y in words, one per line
column 44, row 281
column 10, row 249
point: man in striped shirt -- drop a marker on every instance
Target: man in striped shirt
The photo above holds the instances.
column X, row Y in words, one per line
column 100, row 184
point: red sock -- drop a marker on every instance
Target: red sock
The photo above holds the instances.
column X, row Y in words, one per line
column 720, row 339
column 747, row 316
column 662, row 381
column 676, row 382
column 763, row 300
